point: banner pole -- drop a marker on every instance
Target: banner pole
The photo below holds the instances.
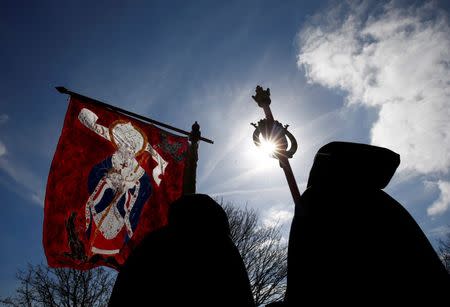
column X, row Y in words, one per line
column 190, row 172
column 63, row 90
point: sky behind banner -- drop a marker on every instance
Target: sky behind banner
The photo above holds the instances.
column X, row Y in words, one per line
column 370, row 71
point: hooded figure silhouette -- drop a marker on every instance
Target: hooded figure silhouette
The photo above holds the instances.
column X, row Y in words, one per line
column 190, row 262
column 352, row 243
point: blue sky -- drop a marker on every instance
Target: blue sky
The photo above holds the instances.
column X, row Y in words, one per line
column 367, row 72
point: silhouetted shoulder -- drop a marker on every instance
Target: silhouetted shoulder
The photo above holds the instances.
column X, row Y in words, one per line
column 352, row 237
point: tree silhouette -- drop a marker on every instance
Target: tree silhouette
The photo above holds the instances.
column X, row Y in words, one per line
column 261, row 248
column 263, row 252
column 444, row 251
column 44, row 286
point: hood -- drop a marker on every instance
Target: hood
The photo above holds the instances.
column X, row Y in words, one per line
column 198, row 213
column 353, row 164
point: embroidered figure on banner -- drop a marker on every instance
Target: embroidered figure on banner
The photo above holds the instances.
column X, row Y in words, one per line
column 118, row 186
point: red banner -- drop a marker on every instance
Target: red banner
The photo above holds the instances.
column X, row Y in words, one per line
column 110, row 183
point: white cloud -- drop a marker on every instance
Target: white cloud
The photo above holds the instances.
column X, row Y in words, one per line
column 440, row 231
column 277, row 215
column 397, row 61
column 2, row 149
column 3, row 118
column 443, row 202
column 24, row 178
column 37, row 199
column 20, row 175
column 248, row 191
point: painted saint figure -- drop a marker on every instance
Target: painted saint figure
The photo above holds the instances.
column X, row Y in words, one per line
column 118, row 186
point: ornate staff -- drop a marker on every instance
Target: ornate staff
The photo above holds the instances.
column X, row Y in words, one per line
column 271, row 133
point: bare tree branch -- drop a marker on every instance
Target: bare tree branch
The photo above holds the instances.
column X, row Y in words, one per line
column 43, row 286
column 262, row 251
column 444, row 251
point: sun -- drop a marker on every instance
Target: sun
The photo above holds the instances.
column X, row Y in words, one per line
column 261, row 156
column 268, row 147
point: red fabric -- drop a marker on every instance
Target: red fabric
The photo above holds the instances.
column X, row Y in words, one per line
column 66, row 239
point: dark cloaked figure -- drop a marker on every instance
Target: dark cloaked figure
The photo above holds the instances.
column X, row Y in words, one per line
column 352, row 243
column 190, row 262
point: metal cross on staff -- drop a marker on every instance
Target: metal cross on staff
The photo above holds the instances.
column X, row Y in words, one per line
column 270, row 131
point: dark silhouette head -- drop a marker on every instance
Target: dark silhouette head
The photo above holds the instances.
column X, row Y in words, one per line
column 190, row 262
column 196, row 213
column 353, row 164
